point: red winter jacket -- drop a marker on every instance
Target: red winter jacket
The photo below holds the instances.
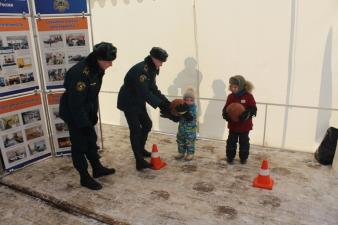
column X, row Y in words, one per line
column 246, row 100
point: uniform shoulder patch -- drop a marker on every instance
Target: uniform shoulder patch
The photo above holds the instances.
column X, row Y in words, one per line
column 145, row 68
column 142, row 78
column 86, row 71
column 80, row 86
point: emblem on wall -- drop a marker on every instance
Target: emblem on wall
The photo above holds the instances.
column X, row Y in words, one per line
column 61, row 5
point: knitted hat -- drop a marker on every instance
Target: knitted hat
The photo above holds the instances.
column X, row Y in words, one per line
column 239, row 81
column 105, row 51
column 189, row 93
column 159, row 53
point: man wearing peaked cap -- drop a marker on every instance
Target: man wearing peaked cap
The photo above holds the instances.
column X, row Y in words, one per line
column 139, row 88
column 79, row 106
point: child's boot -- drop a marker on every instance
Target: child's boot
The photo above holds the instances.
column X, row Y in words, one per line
column 189, row 157
column 179, row 156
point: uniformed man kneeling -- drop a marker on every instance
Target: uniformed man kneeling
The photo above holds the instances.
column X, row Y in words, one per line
column 79, row 107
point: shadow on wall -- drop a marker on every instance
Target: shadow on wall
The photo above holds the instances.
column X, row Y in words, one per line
column 102, row 3
column 189, row 76
column 325, row 93
column 213, row 125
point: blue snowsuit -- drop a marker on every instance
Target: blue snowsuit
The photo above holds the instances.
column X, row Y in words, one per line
column 186, row 135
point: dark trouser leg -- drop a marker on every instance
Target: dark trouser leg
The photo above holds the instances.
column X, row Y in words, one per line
column 136, row 135
column 83, row 146
column 146, row 125
column 231, row 145
column 244, row 145
column 79, row 149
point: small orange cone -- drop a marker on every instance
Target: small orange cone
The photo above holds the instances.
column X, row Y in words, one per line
column 263, row 179
column 155, row 160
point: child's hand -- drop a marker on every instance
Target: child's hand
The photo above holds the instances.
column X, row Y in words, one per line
column 225, row 116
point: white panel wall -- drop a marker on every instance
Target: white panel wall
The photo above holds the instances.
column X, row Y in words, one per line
column 286, row 48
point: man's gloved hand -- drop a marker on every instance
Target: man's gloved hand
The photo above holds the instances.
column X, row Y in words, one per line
column 188, row 117
column 165, row 107
column 86, row 131
column 225, row 115
column 182, row 108
column 171, row 117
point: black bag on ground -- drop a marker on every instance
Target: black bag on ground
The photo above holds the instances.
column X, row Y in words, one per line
column 325, row 151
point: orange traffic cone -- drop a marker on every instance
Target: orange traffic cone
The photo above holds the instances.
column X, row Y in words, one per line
column 263, row 179
column 155, row 160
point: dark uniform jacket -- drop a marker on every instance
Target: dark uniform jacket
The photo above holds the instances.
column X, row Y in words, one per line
column 140, row 87
column 247, row 100
column 79, row 104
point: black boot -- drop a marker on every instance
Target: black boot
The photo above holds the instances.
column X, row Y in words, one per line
column 146, row 154
column 230, row 161
column 87, row 181
column 99, row 170
column 102, row 171
column 243, row 161
column 143, row 165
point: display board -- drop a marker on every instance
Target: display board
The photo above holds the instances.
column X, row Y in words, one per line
column 24, row 137
column 17, row 66
column 63, row 43
column 60, row 132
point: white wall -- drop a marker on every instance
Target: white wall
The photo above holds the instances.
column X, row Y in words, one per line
column 285, row 48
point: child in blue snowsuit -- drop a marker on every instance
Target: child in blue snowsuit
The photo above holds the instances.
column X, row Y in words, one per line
column 186, row 135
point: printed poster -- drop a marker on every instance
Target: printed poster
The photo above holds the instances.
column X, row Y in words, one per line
column 13, row 6
column 17, row 65
column 64, row 42
column 60, row 6
column 24, row 137
column 59, row 127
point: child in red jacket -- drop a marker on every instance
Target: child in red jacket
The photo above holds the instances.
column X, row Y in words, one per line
column 239, row 131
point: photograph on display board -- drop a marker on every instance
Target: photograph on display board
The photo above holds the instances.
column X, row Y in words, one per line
column 37, row 147
column 64, row 142
column 2, row 82
column 24, row 61
column 56, row 114
column 31, row 116
column 34, row 132
column 61, row 128
column 13, row 80
column 12, row 139
column 52, row 41
column 56, row 74
column 75, row 57
column 18, row 42
column 26, row 77
column 55, row 58
column 6, row 50
column 8, row 60
column 9, row 122
column 76, row 39
column 16, row 154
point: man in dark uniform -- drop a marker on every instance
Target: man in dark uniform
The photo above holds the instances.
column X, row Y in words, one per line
column 78, row 108
column 140, row 87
